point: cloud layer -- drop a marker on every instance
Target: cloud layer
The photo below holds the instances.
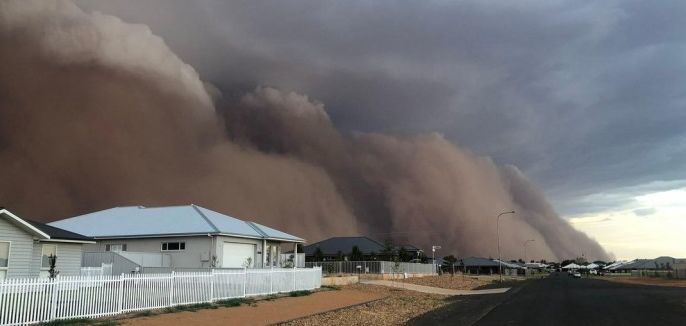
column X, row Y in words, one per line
column 583, row 96
column 97, row 113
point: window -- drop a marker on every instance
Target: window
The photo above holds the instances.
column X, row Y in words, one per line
column 115, row 247
column 4, row 259
column 173, row 246
column 4, row 254
column 48, row 250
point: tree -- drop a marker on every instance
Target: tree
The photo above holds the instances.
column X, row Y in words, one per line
column 388, row 250
column 52, row 261
column 356, row 254
column 449, row 260
column 403, row 255
column 372, row 256
column 339, row 256
column 318, row 254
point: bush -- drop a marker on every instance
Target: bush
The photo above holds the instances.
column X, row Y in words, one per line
column 300, row 293
column 233, row 302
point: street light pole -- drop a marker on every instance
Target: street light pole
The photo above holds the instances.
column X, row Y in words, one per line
column 497, row 226
column 525, row 242
column 433, row 255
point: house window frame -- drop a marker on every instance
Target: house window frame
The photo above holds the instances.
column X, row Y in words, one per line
column 45, row 268
column 164, row 246
column 108, row 247
column 6, row 269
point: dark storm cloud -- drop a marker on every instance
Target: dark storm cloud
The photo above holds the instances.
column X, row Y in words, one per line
column 97, row 112
column 584, row 96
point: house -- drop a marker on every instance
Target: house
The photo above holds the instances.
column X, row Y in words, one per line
column 26, row 245
column 478, row 265
column 659, row 263
column 340, row 248
column 186, row 236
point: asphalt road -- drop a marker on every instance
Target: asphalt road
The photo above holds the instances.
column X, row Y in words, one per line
column 562, row 300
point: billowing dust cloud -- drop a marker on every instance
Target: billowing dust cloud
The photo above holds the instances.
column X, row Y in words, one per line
column 96, row 113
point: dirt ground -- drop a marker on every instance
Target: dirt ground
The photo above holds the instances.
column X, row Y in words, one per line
column 380, row 306
column 448, row 281
column 396, row 308
column 263, row 312
column 646, row 281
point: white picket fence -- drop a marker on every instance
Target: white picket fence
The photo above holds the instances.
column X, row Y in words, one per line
column 27, row 301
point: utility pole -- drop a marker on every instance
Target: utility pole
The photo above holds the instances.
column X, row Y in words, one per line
column 497, row 226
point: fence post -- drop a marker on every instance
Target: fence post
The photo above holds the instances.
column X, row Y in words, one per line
column 211, row 285
column 53, row 298
column 121, row 292
column 245, row 280
column 171, row 288
column 271, row 280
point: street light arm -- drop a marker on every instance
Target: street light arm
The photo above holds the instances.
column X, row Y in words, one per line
column 503, row 213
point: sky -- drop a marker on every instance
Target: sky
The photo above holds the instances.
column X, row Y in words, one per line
column 584, row 97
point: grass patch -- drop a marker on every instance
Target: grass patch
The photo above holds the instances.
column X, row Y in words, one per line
column 331, row 287
column 233, row 302
column 299, row 293
column 80, row 321
column 190, row 307
column 143, row 313
column 64, row 322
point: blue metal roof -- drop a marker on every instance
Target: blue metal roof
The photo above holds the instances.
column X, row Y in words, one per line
column 139, row 221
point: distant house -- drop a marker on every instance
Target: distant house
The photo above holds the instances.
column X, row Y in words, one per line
column 180, row 237
column 659, row 263
column 478, row 265
column 26, row 245
column 340, row 248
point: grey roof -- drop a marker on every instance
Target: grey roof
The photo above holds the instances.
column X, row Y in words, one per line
column 57, row 233
column 477, row 262
column 139, row 221
column 332, row 246
column 656, row 263
column 407, row 247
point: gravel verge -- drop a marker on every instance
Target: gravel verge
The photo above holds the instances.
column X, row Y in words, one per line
column 398, row 307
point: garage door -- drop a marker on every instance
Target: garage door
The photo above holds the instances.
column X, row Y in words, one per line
column 236, row 255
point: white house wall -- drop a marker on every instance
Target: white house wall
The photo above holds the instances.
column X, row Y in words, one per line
column 21, row 249
column 69, row 257
column 197, row 253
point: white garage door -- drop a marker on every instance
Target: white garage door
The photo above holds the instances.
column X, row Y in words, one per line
column 236, row 255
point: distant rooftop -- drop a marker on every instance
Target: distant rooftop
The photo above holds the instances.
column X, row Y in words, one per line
column 139, row 221
column 333, row 245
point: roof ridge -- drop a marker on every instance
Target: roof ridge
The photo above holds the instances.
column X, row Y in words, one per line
column 256, row 228
column 205, row 218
